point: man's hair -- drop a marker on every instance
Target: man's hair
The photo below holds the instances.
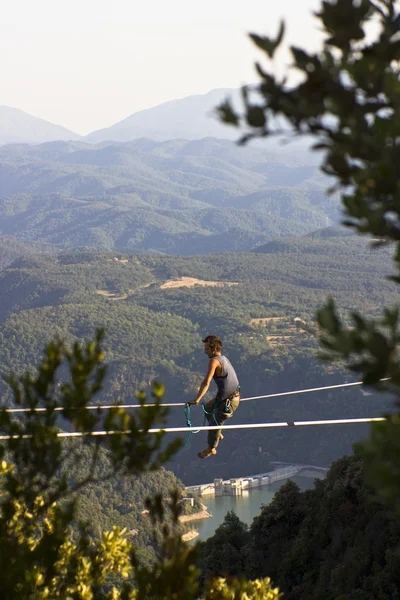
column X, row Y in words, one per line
column 214, row 342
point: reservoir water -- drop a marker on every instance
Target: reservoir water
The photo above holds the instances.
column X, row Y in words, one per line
column 246, row 506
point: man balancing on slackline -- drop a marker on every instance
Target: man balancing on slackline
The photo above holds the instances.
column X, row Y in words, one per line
column 227, row 399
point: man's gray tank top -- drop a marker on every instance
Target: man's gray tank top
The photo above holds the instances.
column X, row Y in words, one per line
column 227, row 382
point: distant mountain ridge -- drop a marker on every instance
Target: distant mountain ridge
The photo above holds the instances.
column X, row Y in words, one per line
column 190, row 118
column 17, row 126
column 187, row 118
column 178, row 196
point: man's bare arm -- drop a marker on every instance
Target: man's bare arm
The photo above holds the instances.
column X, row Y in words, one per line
column 205, row 384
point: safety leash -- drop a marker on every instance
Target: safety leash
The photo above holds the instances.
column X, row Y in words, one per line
column 186, row 409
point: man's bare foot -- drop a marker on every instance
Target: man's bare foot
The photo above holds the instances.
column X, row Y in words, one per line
column 221, row 437
column 207, row 453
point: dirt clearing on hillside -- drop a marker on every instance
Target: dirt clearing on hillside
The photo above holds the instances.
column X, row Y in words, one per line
column 112, row 295
column 191, row 281
column 116, row 259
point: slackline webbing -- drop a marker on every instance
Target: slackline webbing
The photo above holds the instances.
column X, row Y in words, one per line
column 63, row 434
column 280, row 394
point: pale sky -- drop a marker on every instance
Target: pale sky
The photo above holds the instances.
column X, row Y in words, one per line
column 86, row 64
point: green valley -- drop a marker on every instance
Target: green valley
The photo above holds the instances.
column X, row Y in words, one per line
column 156, row 309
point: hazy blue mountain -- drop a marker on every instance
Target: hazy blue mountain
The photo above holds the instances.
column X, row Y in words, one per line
column 189, row 118
column 178, row 196
column 18, row 127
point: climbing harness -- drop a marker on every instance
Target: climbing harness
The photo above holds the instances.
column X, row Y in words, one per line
column 227, row 410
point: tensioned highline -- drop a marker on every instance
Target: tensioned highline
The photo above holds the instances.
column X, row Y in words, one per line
column 63, row 434
column 102, row 407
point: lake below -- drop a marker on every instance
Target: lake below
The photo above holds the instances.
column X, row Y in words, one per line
column 246, row 506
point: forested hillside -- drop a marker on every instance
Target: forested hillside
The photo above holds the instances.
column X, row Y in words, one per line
column 11, row 249
column 175, row 197
column 157, row 309
column 331, row 542
column 121, row 501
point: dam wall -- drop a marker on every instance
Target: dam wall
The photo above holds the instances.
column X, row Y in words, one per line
column 235, row 486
